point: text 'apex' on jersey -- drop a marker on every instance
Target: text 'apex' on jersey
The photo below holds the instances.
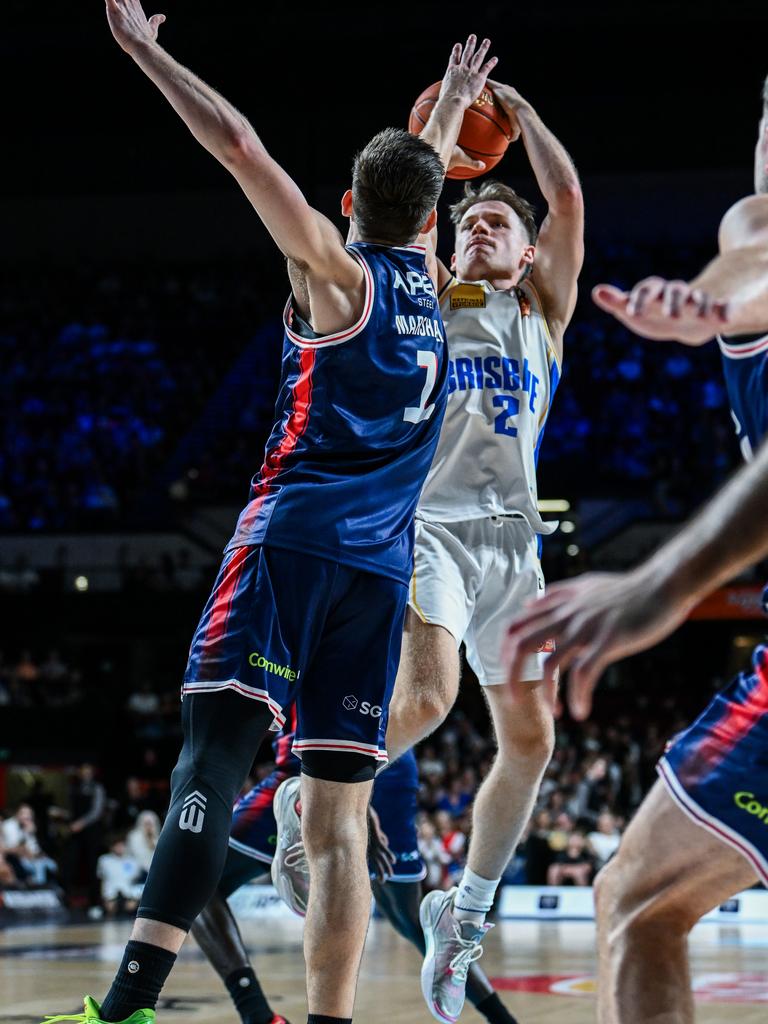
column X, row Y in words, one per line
column 745, row 366
column 358, row 418
column 502, row 377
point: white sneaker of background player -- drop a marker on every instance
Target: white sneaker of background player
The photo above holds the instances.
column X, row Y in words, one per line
column 452, row 947
column 290, row 871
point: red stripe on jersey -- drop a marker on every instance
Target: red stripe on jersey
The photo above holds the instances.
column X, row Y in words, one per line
column 222, row 605
column 294, row 428
column 735, row 723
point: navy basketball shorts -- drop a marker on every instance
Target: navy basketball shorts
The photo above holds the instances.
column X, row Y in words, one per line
column 395, row 800
column 254, row 829
column 717, row 770
column 281, row 625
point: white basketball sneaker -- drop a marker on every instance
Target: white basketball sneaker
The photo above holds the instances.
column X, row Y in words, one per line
column 452, row 947
column 290, row 871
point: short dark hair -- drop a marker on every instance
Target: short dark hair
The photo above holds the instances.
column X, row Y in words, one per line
column 490, row 191
column 396, row 182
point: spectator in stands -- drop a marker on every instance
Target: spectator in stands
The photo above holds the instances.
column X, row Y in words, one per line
column 573, row 865
column 142, row 840
column 87, row 806
column 537, row 849
column 454, row 840
column 456, row 800
column 604, row 841
column 433, row 853
column 133, row 801
column 117, row 871
column 19, row 841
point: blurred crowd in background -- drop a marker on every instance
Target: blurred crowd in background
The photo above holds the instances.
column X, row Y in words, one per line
column 126, row 394
column 94, row 838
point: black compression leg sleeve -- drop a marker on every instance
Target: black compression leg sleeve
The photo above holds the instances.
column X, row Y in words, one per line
column 222, row 733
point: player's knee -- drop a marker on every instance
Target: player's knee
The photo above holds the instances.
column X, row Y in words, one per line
column 627, row 912
column 339, row 837
column 528, row 741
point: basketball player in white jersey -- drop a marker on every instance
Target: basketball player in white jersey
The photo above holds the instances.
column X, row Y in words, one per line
column 506, row 307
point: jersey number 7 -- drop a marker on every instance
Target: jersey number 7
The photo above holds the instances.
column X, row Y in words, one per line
column 418, row 413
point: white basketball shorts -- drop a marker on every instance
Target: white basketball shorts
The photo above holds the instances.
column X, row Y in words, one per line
column 472, row 578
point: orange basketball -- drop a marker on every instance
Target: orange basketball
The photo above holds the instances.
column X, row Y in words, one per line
column 485, row 131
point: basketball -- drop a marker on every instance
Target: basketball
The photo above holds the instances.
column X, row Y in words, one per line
column 485, row 131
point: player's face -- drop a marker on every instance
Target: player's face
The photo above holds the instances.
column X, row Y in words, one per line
column 491, row 243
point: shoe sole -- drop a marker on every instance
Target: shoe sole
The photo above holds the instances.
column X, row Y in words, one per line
column 428, row 967
column 282, row 806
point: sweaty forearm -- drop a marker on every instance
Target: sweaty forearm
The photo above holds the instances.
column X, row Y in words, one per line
column 214, row 122
column 739, row 278
column 554, row 170
column 729, row 534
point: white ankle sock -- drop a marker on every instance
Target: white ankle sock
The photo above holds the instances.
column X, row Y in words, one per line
column 474, row 897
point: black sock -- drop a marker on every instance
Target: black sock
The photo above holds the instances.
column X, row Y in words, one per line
column 138, row 981
column 494, row 1010
column 319, row 1018
column 251, row 1003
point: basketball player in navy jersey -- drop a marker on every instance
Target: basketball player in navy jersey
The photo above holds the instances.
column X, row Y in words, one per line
column 700, row 835
column 396, row 867
column 311, row 595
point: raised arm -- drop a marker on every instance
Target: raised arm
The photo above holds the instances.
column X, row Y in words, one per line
column 301, row 232
column 730, row 296
column 599, row 618
column 463, row 81
column 560, row 246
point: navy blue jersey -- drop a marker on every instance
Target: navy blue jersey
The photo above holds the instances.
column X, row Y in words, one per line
column 358, row 418
column 745, row 365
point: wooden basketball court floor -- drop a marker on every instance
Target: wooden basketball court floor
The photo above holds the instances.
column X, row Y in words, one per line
column 546, row 970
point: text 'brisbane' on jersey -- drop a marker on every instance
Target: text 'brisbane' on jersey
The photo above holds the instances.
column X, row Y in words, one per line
column 502, row 377
column 358, row 417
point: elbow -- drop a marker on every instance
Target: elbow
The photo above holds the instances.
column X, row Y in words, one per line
column 569, row 197
column 241, row 147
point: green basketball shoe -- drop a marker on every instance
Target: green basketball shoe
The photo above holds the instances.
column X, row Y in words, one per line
column 92, row 1015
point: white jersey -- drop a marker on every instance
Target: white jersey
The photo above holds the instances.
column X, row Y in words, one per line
column 503, row 372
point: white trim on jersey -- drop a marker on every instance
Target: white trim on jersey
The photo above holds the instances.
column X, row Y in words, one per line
column 248, row 851
column 339, row 337
column 713, row 825
column 347, row 746
column 252, row 692
column 744, row 351
column 408, row 878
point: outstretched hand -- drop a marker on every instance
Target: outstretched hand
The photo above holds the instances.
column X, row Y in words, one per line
column 130, row 25
column 665, row 310
column 467, row 71
column 594, row 620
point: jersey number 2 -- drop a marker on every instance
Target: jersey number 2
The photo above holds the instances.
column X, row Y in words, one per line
column 510, row 407
column 418, row 413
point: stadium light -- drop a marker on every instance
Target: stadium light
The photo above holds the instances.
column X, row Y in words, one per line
column 554, row 505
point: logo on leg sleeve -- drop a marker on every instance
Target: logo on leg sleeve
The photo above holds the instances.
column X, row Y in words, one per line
column 193, row 812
